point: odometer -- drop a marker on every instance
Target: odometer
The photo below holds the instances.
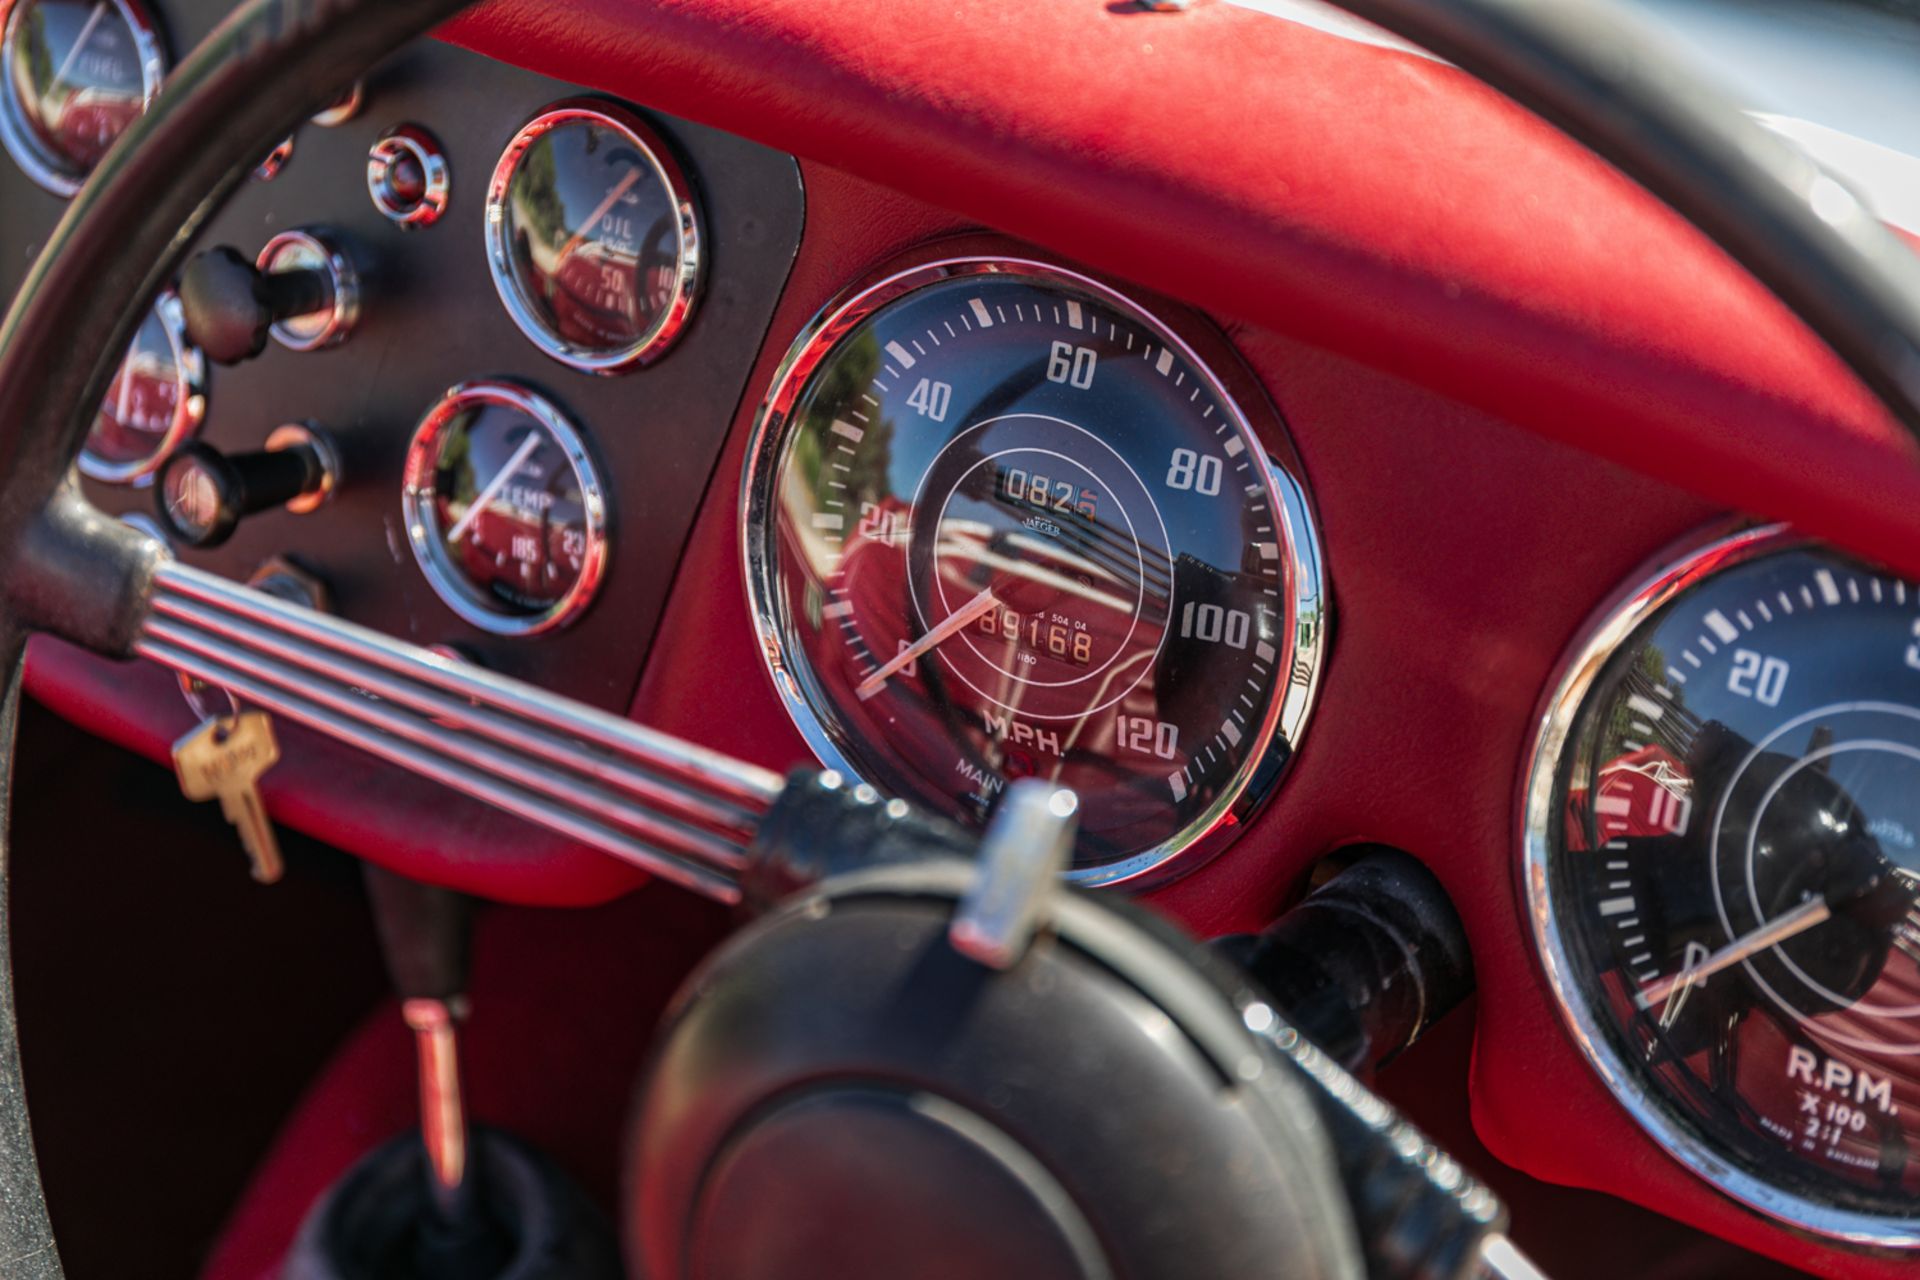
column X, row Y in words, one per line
column 1003, row 523
column 1723, row 858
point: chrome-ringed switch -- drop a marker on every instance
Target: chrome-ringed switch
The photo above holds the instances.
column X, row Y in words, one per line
column 408, row 178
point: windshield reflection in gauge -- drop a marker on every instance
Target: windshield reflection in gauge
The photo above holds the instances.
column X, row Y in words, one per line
column 77, row 73
column 505, row 509
column 593, row 238
column 1728, row 874
column 1003, row 524
column 157, row 400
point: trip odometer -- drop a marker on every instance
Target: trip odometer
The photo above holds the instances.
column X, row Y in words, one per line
column 1722, row 834
column 1002, row 523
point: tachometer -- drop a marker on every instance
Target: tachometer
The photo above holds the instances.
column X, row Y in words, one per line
column 77, row 73
column 1722, row 835
column 1003, row 523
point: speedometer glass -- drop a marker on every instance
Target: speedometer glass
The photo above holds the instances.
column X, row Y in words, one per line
column 1002, row 523
column 77, row 73
column 1723, row 859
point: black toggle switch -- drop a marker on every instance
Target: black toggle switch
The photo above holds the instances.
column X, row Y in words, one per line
column 307, row 296
column 203, row 494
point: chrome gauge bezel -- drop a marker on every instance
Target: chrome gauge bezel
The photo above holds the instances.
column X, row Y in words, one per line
column 674, row 317
column 1309, row 609
column 1681, row 570
column 190, row 406
column 418, row 492
column 47, row 170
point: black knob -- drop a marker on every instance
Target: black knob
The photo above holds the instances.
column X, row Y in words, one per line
column 231, row 305
column 203, row 494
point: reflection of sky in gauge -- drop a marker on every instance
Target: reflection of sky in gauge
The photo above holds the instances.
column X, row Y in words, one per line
column 493, row 435
column 589, row 162
column 1830, row 659
column 108, row 62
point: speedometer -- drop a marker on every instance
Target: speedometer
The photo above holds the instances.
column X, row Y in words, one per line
column 1722, row 837
column 1002, row 523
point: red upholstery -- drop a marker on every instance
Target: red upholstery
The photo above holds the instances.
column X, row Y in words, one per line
column 1374, row 203
column 1378, row 207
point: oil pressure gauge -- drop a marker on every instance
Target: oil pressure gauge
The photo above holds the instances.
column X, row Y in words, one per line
column 593, row 238
column 77, row 73
column 505, row 510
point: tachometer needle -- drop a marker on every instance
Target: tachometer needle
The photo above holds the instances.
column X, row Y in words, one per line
column 1797, row 921
column 593, row 219
column 956, row 620
column 494, row 486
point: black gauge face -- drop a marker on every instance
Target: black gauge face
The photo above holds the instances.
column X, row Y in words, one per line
column 1012, row 528
column 504, row 509
column 78, row 72
column 1734, row 868
column 592, row 237
column 157, row 400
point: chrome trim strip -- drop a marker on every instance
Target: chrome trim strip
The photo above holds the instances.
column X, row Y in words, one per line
column 1614, row 627
column 1309, row 601
column 673, row 318
column 671, row 808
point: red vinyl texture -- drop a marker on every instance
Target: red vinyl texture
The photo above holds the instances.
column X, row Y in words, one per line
column 1384, row 210
column 1371, row 202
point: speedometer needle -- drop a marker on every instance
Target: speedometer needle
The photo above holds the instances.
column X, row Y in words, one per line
column 494, row 486
column 956, row 620
column 1797, row 921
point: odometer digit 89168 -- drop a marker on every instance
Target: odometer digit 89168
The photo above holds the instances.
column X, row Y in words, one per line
column 1002, row 523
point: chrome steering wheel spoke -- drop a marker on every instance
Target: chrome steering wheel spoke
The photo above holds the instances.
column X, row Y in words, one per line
column 679, row 811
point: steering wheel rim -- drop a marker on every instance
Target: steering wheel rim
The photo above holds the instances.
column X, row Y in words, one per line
column 66, row 568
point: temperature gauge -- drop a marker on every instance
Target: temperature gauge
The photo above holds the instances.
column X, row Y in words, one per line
column 504, row 509
column 77, row 73
column 593, row 238
column 156, row 402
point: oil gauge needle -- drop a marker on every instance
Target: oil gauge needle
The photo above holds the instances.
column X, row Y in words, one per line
column 956, row 620
column 498, row 482
column 593, row 219
column 1797, row 921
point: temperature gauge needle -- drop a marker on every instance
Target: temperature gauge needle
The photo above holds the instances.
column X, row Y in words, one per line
column 494, row 486
column 1797, row 921
column 955, row 621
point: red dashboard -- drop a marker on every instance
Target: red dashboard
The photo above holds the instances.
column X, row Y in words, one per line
column 1512, row 381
